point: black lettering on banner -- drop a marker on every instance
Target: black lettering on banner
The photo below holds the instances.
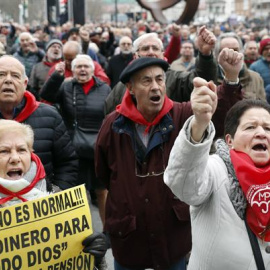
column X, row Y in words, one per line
column 75, row 226
column 5, row 218
column 22, row 213
column 14, row 263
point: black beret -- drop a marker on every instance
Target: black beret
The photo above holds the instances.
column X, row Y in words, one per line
column 140, row 64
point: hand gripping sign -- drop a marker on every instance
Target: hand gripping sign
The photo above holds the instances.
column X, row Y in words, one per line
column 47, row 233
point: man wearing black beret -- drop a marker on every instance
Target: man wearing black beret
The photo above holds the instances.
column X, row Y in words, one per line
column 148, row 226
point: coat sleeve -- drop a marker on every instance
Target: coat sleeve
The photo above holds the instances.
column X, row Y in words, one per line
column 187, row 173
column 65, row 160
column 50, row 90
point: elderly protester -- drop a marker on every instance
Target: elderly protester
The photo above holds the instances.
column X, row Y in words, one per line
column 81, row 102
column 23, row 178
column 229, row 191
column 147, row 225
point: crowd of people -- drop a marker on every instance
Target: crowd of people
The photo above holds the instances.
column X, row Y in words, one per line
column 157, row 153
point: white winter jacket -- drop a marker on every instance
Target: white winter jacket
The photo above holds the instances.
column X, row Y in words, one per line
column 219, row 236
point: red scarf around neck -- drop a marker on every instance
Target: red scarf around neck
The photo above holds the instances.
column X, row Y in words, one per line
column 255, row 183
column 88, row 85
column 128, row 109
column 30, row 106
column 40, row 174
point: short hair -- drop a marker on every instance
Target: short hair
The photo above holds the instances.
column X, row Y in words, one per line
column 25, row 34
column 24, row 130
column 137, row 42
column 248, row 42
column 22, row 66
column 227, row 35
column 233, row 116
column 82, row 56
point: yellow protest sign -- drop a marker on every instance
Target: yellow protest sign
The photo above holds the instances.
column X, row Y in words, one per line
column 47, row 233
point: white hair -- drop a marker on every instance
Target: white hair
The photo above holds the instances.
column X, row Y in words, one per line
column 137, row 42
column 25, row 34
column 82, row 56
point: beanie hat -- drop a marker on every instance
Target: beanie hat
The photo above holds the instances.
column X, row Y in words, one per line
column 263, row 44
column 53, row 41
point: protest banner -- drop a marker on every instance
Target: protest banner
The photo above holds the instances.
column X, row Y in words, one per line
column 47, row 233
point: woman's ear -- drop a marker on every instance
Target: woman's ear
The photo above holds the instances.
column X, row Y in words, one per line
column 229, row 140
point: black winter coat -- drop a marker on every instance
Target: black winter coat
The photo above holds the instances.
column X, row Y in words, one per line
column 52, row 143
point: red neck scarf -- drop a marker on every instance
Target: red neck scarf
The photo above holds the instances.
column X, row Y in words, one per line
column 40, row 174
column 129, row 110
column 88, row 86
column 255, row 183
column 30, row 106
column 50, row 64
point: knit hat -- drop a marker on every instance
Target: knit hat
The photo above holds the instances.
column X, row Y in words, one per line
column 53, row 41
column 263, row 44
column 139, row 64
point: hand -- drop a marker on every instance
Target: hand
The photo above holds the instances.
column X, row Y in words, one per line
column 231, row 62
column 60, row 68
column 204, row 103
column 206, row 41
column 84, row 34
column 33, row 46
column 95, row 244
column 176, row 30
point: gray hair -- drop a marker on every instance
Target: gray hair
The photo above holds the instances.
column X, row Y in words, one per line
column 22, row 66
column 248, row 42
column 25, row 34
column 227, row 35
column 13, row 126
column 82, row 56
column 137, row 42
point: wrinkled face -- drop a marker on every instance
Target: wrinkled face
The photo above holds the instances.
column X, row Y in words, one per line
column 126, row 45
column 187, row 50
column 12, row 82
column 149, row 48
column 25, row 42
column 230, row 43
column 54, row 52
column 266, row 52
column 253, row 136
column 82, row 72
column 15, row 156
column 148, row 88
column 252, row 50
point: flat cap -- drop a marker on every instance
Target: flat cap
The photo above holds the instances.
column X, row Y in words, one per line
column 139, row 64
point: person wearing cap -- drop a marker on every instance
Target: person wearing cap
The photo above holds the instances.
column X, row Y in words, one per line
column 261, row 66
column 148, row 226
column 39, row 74
column 28, row 52
column 179, row 84
column 251, row 82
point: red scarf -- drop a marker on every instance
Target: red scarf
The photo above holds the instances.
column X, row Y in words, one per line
column 255, row 183
column 40, row 174
column 30, row 106
column 129, row 110
column 88, row 85
column 50, row 64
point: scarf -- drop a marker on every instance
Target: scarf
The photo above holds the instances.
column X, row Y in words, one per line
column 88, row 85
column 128, row 109
column 9, row 189
column 255, row 183
column 50, row 64
column 30, row 106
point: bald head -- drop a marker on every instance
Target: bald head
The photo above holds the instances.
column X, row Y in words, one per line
column 70, row 50
column 8, row 60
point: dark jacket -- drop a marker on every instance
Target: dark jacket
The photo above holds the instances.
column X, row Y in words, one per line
column 52, row 142
column 29, row 59
column 148, row 226
column 89, row 108
column 179, row 84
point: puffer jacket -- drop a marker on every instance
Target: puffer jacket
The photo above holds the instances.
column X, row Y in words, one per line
column 52, row 142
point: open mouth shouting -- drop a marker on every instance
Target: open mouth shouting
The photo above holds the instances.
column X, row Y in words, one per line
column 15, row 174
column 155, row 99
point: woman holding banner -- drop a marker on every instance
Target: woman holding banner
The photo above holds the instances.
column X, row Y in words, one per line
column 22, row 176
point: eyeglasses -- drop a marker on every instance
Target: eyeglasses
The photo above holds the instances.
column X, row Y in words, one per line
column 125, row 43
column 147, row 48
column 157, row 172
